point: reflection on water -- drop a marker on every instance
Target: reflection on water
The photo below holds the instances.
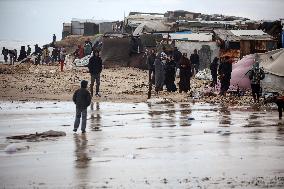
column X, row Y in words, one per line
column 95, row 119
column 82, row 160
column 184, row 114
column 169, row 115
column 81, row 153
column 225, row 116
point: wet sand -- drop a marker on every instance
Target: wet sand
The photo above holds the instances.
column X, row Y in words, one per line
column 143, row 145
column 122, row 84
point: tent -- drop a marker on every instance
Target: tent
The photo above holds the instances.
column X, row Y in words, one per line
column 151, row 26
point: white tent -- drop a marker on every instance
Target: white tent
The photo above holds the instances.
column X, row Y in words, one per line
column 151, row 26
column 273, row 64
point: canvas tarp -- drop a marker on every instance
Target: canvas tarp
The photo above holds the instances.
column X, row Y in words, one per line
column 115, row 51
column 151, row 26
column 273, row 62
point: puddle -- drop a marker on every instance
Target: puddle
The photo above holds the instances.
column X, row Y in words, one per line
column 176, row 143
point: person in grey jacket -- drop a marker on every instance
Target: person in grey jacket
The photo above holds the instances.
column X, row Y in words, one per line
column 82, row 99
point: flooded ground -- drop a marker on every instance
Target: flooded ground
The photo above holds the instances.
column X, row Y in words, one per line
column 142, row 145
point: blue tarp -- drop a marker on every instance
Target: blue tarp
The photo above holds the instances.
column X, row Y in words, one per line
column 282, row 39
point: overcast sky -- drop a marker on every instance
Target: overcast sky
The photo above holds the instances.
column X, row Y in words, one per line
column 39, row 19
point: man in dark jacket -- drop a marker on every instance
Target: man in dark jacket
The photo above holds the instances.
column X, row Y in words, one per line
column 194, row 59
column 225, row 70
column 95, row 69
column 5, row 53
column 255, row 75
column 150, row 62
column 214, row 69
column 82, row 99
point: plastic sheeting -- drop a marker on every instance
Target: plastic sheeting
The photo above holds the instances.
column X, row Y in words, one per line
column 204, row 74
column 150, row 26
column 273, row 62
column 239, row 70
column 115, row 51
column 83, row 61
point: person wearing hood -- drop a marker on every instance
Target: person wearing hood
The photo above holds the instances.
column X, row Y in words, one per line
column 185, row 74
column 95, row 69
column 5, row 53
column 82, row 100
column 256, row 74
column 29, row 50
column 214, row 70
column 159, row 64
column 87, row 48
column 225, row 71
column 170, row 69
column 150, row 62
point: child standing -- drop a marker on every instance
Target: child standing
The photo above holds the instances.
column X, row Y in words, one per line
column 82, row 99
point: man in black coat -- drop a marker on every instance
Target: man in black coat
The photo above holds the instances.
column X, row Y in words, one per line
column 95, row 69
column 194, row 59
column 150, row 62
column 225, row 70
column 214, row 69
column 82, row 99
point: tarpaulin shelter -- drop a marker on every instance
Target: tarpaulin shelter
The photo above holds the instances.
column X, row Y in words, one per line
column 115, row 51
column 273, row 64
column 239, row 70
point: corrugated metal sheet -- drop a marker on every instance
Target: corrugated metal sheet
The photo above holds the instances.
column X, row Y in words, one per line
column 230, row 36
column 247, row 32
column 192, row 37
column 105, row 27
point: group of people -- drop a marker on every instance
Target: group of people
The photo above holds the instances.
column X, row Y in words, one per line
column 13, row 54
column 87, row 49
column 42, row 55
column 163, row 67
column 224, row 70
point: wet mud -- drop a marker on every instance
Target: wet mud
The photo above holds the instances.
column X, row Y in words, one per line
column 142, row 145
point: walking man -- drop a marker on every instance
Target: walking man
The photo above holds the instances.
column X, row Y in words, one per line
column 82, row 99
column 225, row 70
column 255, row 75
column 95, row 69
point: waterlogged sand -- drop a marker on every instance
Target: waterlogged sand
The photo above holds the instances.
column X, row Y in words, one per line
column 143, row 145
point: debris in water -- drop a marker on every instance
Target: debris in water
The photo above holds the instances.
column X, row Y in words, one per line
column 37, row 136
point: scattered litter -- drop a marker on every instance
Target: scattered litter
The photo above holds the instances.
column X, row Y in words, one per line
column 204, row 74
column 83, row 61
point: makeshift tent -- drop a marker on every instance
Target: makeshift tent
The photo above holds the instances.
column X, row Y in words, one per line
column 239, row 70
column 115, row 51
column 273, row 64
column 151, row 26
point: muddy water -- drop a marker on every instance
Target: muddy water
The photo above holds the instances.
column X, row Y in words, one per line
column 144, row 146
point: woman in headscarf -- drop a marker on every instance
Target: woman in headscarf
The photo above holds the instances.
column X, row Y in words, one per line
column 185, row 74
column 160, row 71
column 170, row 70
